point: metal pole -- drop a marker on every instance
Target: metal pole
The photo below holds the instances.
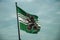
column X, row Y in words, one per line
column 17, row 22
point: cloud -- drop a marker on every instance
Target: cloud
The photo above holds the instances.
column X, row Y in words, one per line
column 58, row 12
column 26, row 0
column 10, row 17
column 48, row 12
column 18, row 0
column 9, row 33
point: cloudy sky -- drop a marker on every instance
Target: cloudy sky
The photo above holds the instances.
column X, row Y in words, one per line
column 48, row 12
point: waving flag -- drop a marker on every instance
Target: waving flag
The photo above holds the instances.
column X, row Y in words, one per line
column 27, row 22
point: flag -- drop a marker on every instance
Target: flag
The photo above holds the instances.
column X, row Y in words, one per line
column 24, row 22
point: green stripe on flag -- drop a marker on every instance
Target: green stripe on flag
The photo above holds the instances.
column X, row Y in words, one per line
column 19, row 10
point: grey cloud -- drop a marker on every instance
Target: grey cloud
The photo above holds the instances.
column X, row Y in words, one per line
column 47, row 12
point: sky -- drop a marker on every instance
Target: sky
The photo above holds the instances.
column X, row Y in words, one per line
column 48, row 12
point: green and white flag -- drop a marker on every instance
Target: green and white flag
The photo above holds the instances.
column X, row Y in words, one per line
column 23, row 23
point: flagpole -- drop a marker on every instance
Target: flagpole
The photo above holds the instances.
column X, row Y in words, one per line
column 17, row 22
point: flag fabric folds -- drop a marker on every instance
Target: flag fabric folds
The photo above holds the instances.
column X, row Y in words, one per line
column 23, row 23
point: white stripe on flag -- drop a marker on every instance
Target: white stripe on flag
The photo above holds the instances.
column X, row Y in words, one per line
column 23, row 20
